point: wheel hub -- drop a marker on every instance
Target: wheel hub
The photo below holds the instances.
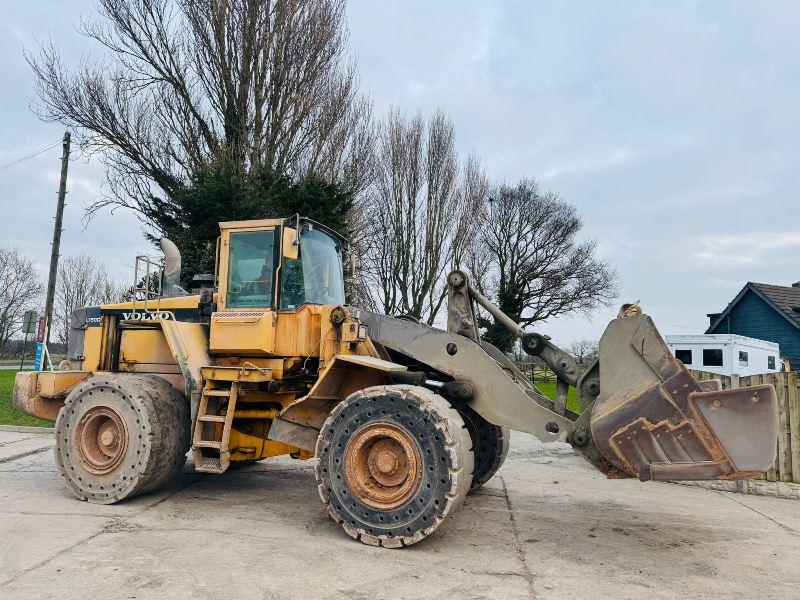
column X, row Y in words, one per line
column 382, row 465
column 101, row 439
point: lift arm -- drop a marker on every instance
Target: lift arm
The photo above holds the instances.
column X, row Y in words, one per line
column 643, row 414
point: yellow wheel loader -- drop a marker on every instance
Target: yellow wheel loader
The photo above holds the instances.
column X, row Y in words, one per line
column 404, row 420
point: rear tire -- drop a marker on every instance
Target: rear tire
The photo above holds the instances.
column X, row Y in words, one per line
column 121, row 435
column 394, row 461
column 490, row 445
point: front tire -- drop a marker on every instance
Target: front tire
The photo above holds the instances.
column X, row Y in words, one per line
column 121, row 435
column 394, row 461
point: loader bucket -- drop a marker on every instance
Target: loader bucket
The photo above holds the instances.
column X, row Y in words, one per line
column 653, row 420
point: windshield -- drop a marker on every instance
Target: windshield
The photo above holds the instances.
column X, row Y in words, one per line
column 316, row 277
column 250, row 269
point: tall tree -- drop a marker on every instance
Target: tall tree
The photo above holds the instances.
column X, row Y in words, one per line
column 82, row 281
column 218, row 192
column 263, row 86
column 585, row 351
column 20, row 290
column 418, row 214
column 529, row 259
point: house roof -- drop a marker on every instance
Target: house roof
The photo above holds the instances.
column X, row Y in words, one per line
column 784, row 299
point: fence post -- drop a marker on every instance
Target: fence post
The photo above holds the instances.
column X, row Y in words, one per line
column 794, row 423
column 781, row 383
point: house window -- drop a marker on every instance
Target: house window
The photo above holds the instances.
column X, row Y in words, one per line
column 771, row 363
column 712, row 357
column 742, row 359
column 685, row 356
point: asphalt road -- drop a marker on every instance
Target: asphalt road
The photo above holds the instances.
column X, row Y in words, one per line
column 547, row 527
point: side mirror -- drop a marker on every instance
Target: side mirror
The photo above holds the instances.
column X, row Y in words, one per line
column 290, row 243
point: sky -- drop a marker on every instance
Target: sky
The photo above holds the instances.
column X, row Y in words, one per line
column 673, row 127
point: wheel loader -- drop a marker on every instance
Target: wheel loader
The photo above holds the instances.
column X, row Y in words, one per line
column 404, row 420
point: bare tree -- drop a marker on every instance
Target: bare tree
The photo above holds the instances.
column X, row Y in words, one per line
column 263, row 83
column 20, row 290
column 584, row 351
column 418, row 214
column 529, row 259
column 81, row 281
column 357, row 267
column 111, row 290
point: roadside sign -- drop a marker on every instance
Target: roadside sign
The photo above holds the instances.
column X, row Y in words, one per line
column 39, row 363
column 29, row 326
column 29, row 322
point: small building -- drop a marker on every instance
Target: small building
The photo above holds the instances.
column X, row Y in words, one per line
column 764, row 312
column 726, row 354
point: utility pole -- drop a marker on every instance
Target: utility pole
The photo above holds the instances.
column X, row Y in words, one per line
column 56, row 249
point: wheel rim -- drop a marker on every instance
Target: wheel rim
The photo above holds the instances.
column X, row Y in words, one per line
column 382, row 465
column 101, row 439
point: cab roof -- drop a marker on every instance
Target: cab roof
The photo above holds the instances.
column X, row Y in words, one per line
column 278, row 222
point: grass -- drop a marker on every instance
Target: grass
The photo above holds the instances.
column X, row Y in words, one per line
column 8, row 414
column 549, row 389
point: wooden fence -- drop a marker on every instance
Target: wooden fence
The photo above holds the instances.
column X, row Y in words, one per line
column 536, row 372
column 787, row 463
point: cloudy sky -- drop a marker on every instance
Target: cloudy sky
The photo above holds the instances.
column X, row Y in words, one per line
column 673, row 126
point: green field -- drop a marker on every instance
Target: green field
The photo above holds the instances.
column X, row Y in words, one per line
column 549, row 390
column 8, row 414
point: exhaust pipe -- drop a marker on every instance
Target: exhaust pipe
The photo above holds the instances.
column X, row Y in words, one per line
column 172, row 269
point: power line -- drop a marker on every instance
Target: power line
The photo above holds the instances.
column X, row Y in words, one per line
column 50, row 146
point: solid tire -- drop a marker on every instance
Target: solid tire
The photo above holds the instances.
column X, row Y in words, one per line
column 446, row 463
column 156, row 419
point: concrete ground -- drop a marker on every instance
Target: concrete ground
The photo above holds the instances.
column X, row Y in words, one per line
column 548, row 526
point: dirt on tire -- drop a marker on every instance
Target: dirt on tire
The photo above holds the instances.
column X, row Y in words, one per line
column 445, row 457
column 144, row 419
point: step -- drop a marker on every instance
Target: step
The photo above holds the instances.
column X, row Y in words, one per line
column 208, row 465
column 222, row 393
column 208, row 444
column 211, row 418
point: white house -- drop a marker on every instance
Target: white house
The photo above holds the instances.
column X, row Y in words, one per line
column 726, row 354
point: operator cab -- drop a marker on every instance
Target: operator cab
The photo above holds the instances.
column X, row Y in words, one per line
column 279, row 263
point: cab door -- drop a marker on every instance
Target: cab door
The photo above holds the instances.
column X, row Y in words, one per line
column 245, row 320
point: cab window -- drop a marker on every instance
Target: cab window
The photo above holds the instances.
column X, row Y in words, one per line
column 293, row 292
column 251, row 269
column 316, row 276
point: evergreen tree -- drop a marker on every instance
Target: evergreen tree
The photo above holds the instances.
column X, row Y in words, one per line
column 219, row 192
